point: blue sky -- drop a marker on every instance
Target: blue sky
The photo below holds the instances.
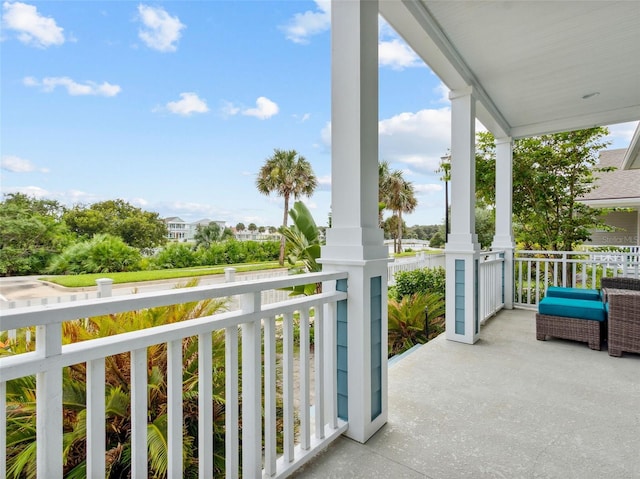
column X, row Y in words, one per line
column 174, row 106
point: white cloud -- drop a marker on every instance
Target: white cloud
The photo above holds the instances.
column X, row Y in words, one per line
column 74, row 88
column 31, row 27
column 428, row 188
column 302, row 118
column 188, row 104
column 229, row 109
column 397, row 55
column 160, row 31
column 15, row 164
column 324, row 183
column 620, row 134
column 417, row 140
column 304, row 25
column 264, row 109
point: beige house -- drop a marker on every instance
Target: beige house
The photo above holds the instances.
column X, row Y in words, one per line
column 618, row 189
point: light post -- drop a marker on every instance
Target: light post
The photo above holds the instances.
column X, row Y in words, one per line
column 444, row 160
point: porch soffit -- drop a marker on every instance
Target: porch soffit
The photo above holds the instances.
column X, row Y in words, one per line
column 531, row 62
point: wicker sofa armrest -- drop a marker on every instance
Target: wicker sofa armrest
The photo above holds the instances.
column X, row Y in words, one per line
column 621, row 283
column 624, row 321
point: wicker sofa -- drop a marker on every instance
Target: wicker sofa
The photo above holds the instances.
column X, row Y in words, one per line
column 623, row 297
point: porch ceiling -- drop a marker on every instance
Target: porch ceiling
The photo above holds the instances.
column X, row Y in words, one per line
column 531, row 63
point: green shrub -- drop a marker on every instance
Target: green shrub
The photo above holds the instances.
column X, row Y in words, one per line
column 103, row 253
column 176, row 255
column 425, row 280
column 407, row 326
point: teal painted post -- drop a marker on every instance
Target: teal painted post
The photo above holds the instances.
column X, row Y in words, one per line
column 376, row 347
column 476, row 289
column 342, row 348
column 459, row 296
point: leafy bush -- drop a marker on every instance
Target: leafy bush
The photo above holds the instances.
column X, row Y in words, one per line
column 176, row 255
column 102, row 254
column 407, row 316
column 425, row 280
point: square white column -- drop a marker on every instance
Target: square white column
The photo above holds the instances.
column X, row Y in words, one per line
column 355, row 243
column 462, row 248
column 503, row 238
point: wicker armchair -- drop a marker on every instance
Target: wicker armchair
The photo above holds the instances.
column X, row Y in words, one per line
column 624, row 321
column 621, row 283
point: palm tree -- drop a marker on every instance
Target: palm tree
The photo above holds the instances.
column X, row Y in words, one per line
column 286, row 173
column 395, row 194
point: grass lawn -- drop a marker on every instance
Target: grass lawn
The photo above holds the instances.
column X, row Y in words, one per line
column 84, row 280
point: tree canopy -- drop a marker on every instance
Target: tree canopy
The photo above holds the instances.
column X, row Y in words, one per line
column 550, row 175
column 31, row 233
column 287, row 174
column 136, row 227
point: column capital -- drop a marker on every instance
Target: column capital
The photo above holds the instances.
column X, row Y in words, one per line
column 503, row 140
column 462, row 92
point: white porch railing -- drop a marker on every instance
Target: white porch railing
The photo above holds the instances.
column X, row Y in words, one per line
column 491, row 283
column 255, row 321
column 420, row 261
column 535, row 271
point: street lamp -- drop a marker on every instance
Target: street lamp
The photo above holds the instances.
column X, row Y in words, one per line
column 446, row 159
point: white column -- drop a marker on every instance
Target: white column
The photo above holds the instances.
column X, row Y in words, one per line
column 503, row 239
column 354, row 242
column 462, row 249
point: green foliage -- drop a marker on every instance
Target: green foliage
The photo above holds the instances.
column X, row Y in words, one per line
column 32, row 234
column 414, row 319
column 176, row 255
column 303, row 242
column 287, row 174
column 21, row 398
column 425, row 280
column 437, row 240
column 397, row 195
column 485, row 226
column 102, row 254
column 207, row 235
column 550, row 174
column 138, row 228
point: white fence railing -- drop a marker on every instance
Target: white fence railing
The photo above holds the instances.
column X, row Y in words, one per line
column 535, row 271
column 420, row 261
column 491, row 283
column 268, row 297
column 310, row 419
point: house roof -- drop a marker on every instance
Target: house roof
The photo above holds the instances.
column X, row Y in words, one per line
column 173, row 219
column 534, row 67
column 632, row 156
column 618, row 188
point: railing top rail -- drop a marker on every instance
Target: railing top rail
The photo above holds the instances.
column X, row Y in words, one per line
column 583, row 253
column 25, row 364
column 60, row 312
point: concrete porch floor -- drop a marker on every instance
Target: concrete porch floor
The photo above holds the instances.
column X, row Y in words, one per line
column 507, row 407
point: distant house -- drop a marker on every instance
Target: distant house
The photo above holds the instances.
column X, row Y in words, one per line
column 617, row 189
column 193, row 227
column 179, row 230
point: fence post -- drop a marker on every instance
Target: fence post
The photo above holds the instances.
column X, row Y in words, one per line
column 229, row 275
column 104, row 287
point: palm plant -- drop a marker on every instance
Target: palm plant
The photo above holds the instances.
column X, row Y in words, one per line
column 286, row 173
column 21, row 438
column 304, row 245
column 414, row 320
column 395, row 194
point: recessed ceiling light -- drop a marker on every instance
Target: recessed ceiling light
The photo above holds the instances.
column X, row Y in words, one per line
column 590, row 95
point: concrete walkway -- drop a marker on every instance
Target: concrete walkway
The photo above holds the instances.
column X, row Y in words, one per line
column 507, row 407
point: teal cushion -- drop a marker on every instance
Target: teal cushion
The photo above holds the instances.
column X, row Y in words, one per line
column 573, row 293
column 573, row 308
